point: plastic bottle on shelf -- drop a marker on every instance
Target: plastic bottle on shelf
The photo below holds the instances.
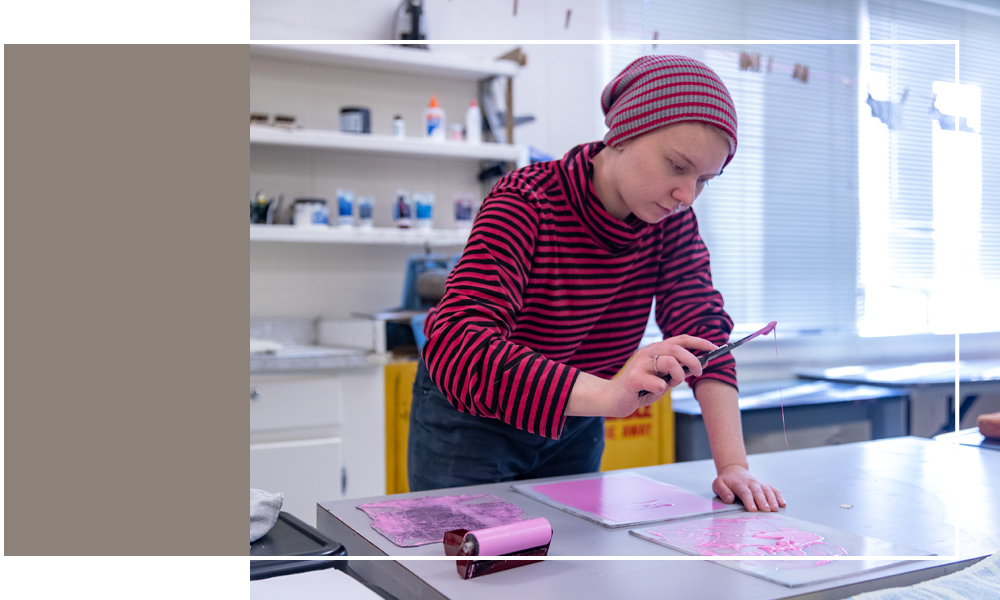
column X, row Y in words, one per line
column 345, row 208
column 366, row 204
column 399, row 126
column 463, row 211
column 434, row 125
column 473, row 124
column 402, row 209
column 424, row 204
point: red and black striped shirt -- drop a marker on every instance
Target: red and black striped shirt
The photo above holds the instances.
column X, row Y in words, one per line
column 550, row 284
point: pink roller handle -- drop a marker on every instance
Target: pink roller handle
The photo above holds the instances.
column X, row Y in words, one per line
column 504, row 539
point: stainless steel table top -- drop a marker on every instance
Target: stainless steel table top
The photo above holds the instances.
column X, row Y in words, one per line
column 908, row 491
column 911, row 374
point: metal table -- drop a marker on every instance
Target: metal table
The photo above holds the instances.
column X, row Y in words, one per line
column 816, row 413
column 908, row 491
column 930, row 386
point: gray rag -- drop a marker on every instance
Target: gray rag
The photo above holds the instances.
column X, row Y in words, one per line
column 264, row 509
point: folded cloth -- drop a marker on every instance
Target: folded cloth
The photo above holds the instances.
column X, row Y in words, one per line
column 978, row 582
column 264, row 509
column 264, row 346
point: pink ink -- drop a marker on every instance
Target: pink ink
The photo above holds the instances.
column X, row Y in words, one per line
column 777, row 548
column 757, row 535
column 419, row 521
column 770, row 327
column 781, row 398
column 627, row 499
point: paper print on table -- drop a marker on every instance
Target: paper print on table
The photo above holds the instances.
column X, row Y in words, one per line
column 759, row 534
column 419, row 521
column 623, row 499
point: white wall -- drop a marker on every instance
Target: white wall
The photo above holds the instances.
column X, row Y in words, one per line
column 560, row 86
column 446, row 19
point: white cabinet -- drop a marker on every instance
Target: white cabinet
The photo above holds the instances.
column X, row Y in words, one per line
column 292, row 403
column 318, row 436
column 305, row 471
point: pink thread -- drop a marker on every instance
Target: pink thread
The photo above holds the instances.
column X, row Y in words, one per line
column 773, row 326
column 781, row 398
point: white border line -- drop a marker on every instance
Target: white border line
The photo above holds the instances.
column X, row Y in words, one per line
column 398, row 558
column 956, row 472
column 607, row 42
column 957, row 402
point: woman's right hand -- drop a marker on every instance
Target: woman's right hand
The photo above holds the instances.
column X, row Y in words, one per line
column 619, row 396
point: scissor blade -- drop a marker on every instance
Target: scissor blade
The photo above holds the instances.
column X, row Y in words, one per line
column 762, row 331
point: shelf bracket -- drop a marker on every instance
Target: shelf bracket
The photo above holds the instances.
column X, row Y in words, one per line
column 518, row 56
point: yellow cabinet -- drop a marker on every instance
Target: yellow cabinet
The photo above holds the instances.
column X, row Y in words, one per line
column 642, row 439
column 399, row 378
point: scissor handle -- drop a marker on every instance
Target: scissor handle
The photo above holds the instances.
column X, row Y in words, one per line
column 704, row 358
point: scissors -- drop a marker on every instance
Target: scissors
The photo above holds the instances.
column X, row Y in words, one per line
column 722, row 351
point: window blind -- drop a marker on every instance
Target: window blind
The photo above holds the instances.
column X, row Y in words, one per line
column 781, row 223
column 930, row 219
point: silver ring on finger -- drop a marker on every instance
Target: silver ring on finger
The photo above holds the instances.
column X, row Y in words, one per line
column 655, row 370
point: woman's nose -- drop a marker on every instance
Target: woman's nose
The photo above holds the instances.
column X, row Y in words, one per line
column 686, row 193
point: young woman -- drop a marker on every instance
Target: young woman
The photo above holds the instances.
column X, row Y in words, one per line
column 553, row 291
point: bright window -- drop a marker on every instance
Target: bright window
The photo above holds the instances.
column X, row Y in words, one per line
column 853, row 205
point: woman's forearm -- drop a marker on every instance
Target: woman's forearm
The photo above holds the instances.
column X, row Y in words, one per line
column 721, row 411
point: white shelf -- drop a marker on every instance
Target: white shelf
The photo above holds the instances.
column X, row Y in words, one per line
column 375, row 235
column 390, row 59
column 386, row 144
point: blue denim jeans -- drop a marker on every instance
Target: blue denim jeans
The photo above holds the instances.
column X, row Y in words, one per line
column 448, row 448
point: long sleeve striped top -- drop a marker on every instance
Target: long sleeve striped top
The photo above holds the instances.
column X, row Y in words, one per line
column 550, row 284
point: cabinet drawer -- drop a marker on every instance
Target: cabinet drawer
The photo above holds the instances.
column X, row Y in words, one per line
column 305, row 472
column 289, row 402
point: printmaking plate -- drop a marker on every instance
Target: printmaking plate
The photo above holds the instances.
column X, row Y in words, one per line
column 623, row 499
column 414, row 522
column 758, row 534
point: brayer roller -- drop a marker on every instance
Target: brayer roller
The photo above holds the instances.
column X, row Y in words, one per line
column 527, row 538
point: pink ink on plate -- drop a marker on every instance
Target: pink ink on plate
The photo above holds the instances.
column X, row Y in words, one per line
column 413, row 522
column 748, row 536
column 772, row 545
column 621, row 499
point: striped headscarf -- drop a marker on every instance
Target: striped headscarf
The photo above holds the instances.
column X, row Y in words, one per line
column 655, row 91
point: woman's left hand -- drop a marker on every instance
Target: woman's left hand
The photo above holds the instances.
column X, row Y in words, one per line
column 735, row 481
